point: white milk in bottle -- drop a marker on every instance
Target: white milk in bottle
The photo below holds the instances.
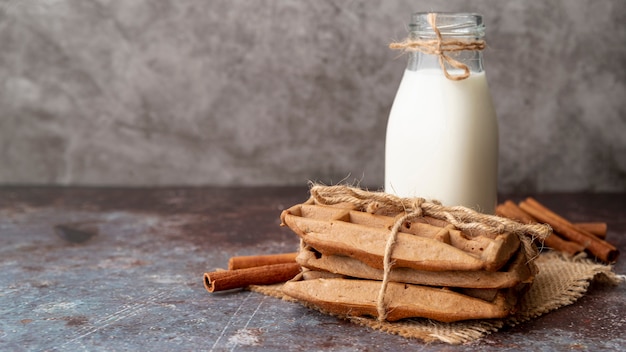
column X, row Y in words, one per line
column 442, row 133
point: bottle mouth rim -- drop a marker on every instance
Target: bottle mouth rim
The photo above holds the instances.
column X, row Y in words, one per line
column 450, row 24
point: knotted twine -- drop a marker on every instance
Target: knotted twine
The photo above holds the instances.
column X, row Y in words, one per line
column 461, row 217
column 439, row 47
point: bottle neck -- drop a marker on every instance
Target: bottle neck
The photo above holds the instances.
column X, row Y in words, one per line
column 420, row 61
column 447, row 41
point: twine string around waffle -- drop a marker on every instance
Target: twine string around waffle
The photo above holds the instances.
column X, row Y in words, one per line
column 461, row 217
column 387, row 263
column 439, row 47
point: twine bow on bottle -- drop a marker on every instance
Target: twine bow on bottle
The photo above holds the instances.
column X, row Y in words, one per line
column 439, row 47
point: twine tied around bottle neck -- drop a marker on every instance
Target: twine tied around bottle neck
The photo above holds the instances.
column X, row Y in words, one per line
column 459, row 217
column 439, row 47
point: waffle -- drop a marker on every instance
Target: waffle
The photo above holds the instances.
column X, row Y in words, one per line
column 345, row 297
column 517, row 272
column 338, row 230
column 437, row 271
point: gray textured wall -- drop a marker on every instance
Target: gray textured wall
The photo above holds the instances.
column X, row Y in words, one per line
column 230, row 92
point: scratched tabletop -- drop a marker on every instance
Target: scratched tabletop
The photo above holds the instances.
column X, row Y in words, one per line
column 115, row 269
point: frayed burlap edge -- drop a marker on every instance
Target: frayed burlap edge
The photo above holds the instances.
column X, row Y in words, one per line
column 561, row 281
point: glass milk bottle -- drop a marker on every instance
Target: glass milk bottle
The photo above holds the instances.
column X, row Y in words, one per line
column 442, row 133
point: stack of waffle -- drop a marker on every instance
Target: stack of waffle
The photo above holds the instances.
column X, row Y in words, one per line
column 437, row 271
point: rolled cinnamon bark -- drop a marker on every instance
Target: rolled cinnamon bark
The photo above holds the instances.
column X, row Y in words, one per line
column 597, row 228
column 510, row 210
column 261, row 275
column 598, row 247
column 251, row 261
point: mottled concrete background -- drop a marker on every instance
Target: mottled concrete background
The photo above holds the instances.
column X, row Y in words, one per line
column 198, row 92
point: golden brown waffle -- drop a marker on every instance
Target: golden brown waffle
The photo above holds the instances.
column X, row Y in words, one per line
column 345, row 297
column 515, row 273
column 337, row 230
column 437, row 271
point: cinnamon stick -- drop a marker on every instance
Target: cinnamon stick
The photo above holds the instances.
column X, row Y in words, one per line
column 260, row 275
column 252, row 261
column 510, row 210
column 597, row 228
column 596, row 246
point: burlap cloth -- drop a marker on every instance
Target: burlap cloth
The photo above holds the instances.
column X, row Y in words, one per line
column 560, row 282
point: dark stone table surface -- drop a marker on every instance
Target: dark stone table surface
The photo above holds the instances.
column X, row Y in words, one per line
column 115, row 269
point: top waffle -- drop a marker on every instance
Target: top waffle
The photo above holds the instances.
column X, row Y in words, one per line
column 428, row 244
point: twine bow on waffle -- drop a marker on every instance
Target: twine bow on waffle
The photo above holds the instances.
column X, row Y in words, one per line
column 460, row 217
column 439, row 47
